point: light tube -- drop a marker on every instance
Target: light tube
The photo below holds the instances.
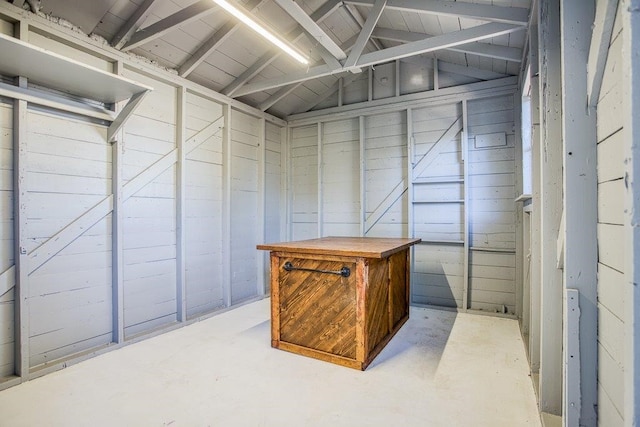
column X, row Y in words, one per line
column 261, row 30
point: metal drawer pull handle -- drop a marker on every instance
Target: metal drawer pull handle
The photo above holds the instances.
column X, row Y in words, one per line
column 344, row 271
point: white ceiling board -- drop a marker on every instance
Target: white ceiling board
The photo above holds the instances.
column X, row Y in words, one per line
column 84, row 14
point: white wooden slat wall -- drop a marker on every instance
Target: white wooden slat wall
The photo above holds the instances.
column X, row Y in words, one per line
column 274, row 221
column 6, row 240
column 340, row 180
column 610, row 235
column 385, row 152
column 150, row 214
column 203, row 211
column 439, row 268
column 437, row 199
column 492, row 211
column 304, row 182
column 68, row 172
column 245, row 132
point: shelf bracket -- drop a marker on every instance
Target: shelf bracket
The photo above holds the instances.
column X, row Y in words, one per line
column 122, row 117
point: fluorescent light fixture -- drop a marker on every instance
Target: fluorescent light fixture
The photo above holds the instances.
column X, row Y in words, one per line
column 261, row 30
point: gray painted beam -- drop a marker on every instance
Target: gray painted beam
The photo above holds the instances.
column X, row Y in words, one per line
column 117, row 231
column 226, row 206
column 509, row 15
column 311, row 26
column 477, row 48
column 281, row 93
column 133, row 23
column 181, row 209
column 631, row 103
column 580, row 211
column 410, row 49
column 319, row 15
column 550, row 390
column 184, row 16
column 365, row 33
column 600, row 39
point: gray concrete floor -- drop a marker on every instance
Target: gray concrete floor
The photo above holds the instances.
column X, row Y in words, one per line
column 441, row 369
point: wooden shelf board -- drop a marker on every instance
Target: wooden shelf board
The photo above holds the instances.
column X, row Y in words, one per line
column 438, row 181
column 437, row 201
column 63, row 74
column 501, row 250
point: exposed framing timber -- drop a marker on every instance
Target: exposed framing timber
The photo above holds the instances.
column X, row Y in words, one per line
column 600, row 38
column 184, row 16
column 464, row 148
column 124, row 114
column 365, row 33
column 580, row 213
column 311, row 26
column 281, row 93
column 133, row 23
column 117, row 232
column 363, row 177
column 226, row 203
column 509, row 15
column 410, row 49
column 80, row 41
column 7, row 280
column 550, row 390
column 429, row 157
column 476, row 48
column 415, row 100
column 318, row 16
column 631, row 108
column 68, row 234
column 320, row 171
column 213, row 43
column 20, row 225
column 262, row 191
column 181, row 183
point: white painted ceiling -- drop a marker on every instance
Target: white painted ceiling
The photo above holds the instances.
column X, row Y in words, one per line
column 480, row 39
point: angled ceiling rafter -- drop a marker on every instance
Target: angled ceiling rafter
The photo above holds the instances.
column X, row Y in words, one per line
column 477, row 48
column 431, row 44
column 132, row 25
column 458, row 9
column 365, row 34
column 182, row 17
column 214, row 42
column 319, row 15
column 312, row 28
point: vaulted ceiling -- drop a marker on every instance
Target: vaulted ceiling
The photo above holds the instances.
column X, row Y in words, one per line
column 475, row 39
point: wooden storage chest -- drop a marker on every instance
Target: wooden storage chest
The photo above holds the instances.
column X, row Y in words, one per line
column 339, row 299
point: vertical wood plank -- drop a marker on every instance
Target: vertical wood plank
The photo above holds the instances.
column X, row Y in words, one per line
column 517, row 102
column 534, row 320
column 631, row 102
column 275, row 299
column 226, row 205
column 362, row 277
column 117, row 233
column 262, row 147
column 288, row 186
column 320, row 183
column 465, row 190
column 410, row 224
column 550, row 397
column 580, row 214
column 181, row 299
column 363, row 176
column 21, row 300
